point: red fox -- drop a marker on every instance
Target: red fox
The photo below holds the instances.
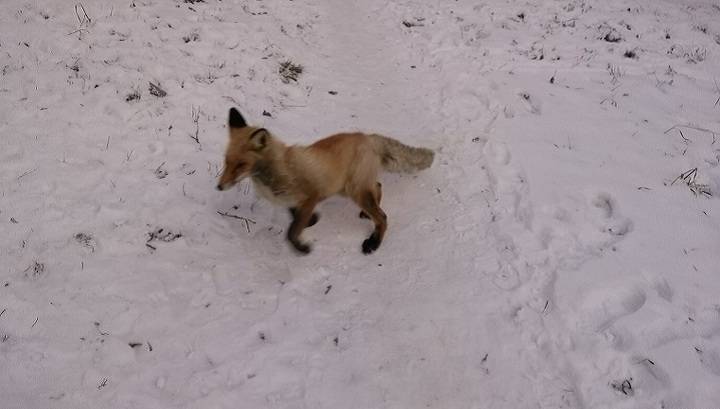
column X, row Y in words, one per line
column 300, row 177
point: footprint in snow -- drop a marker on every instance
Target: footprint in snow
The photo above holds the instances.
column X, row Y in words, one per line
column 652, row 377
column 609, row 220
column 498, row 152
column 506, row 278
column 606, row 306
column 663, row 289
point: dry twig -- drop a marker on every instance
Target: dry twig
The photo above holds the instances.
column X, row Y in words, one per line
column 234, row 216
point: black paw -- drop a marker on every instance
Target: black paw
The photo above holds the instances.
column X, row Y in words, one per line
column 302, row 248
column 313, row 219
column 370, row 244
column 363, row 215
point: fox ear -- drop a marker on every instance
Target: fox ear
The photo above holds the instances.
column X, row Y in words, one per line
column 236, row 119
column 259, row 139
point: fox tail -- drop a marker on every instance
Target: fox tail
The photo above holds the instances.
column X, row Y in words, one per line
column 396, row 157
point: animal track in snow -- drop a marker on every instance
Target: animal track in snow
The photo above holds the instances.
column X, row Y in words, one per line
column 607, row 218
column 619, row 337
column 663, row 289
column 658, row 380
column 497, row 152
column 604, row 202
column 506, row 278
column 607, row 306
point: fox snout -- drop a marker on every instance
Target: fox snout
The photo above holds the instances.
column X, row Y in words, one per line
column 227, row 178
column 226, row 182
column 233, row 174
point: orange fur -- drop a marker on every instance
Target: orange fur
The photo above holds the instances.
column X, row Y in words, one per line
column 300, row 177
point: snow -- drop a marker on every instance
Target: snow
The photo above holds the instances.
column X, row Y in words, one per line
column 550, row 258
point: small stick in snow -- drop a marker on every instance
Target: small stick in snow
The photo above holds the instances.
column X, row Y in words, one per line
column 27, row 173
column 611, row 99
column 327, row 290
column 107, row 144
column 3, row 312
column 483, row 361
column 648, row 360
column 36, row 321
column 289, row 71
column 79, row 30
column 410, row 24
column 85, row 15
column 683, row 136
column 688, row 176
column 103, row 383
column 196, row 120
column 156, row 90
column 161, row 173
column 691, row 126
column 245, row 219
column 625, row 387
column 83, row 20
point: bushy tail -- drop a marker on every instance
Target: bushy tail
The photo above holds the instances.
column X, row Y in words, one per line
column 397, row 157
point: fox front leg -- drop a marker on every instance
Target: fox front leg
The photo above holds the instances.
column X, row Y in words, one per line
column 301, row 217
column 313, row 219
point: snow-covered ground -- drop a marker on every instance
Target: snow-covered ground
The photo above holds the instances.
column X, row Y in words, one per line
column 562, row 252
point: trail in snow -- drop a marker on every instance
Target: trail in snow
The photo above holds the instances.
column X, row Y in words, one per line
column 576, row 343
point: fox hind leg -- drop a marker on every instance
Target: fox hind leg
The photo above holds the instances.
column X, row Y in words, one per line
column 370, row 203
column 378, row 186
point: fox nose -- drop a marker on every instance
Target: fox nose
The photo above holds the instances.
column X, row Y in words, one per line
column 219, row 187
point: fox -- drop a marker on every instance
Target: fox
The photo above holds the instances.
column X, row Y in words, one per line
column 299, row 177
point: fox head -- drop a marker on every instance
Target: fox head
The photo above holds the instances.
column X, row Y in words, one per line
column 244, row 149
